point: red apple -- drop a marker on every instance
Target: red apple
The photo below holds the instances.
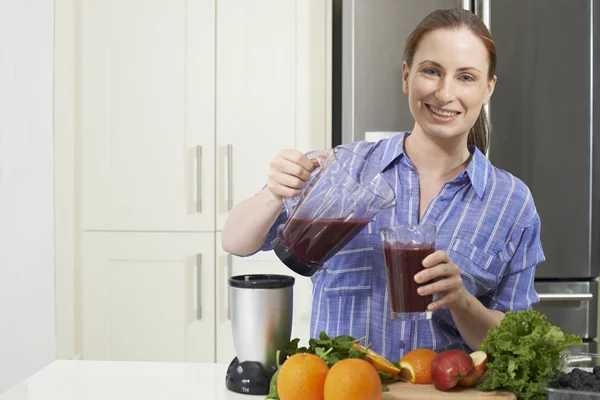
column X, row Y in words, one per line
column 448, row 368
column 479, row 368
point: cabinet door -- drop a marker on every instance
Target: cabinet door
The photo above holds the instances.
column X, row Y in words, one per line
column 271, row 90
column 148, row 296
column 147, row 114
column 260, row 263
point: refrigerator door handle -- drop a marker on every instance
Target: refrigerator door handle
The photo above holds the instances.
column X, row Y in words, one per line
column 482, row 9
column 565, row 296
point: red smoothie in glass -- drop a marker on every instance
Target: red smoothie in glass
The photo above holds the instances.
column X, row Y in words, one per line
column 402, row 263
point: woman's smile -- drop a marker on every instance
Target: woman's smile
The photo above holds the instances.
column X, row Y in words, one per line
column 442, row 115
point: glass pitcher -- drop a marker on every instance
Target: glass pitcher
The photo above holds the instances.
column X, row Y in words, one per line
column 338, row 202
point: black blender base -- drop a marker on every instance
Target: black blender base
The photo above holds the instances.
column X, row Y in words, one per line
column 248, row 377
column 299, row 267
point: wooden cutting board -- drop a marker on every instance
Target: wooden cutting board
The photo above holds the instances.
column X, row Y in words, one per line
column 409, row 391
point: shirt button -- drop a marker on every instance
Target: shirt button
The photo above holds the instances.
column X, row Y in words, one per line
column 443, row 199
column 402, row 345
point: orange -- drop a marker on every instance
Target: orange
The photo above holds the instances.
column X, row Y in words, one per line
column 416, row 366
column 352, row 379
column 302, row 377
column 378, row 361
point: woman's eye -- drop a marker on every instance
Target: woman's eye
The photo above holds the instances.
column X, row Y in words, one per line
column 430, row 71
column 466, row 78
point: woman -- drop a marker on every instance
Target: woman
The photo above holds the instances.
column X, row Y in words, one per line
column 488, row 242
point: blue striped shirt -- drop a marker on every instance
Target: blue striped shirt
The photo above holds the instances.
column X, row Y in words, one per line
column 486, row 222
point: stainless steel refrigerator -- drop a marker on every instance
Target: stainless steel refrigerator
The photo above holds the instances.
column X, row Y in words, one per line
column 544, row 114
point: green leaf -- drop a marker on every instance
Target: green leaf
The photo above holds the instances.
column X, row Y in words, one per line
column 323, row 336
column 319, row 351
column 273, row 395
column 384, row 376
column 320, row 343
column 273, row 384
column 343, row 347
column 292, row 347
column 356, row 353
column 388, row 378
column 523, row 353
column 343, row 339
column 332, row 359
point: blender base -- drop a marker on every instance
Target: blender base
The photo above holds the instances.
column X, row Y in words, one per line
column 248, row 377
column 299, row 267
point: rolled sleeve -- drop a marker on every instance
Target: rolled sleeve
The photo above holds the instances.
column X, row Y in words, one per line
column 268, row 243
column 516, row 289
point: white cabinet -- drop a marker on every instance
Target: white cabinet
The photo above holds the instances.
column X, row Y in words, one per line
column 147, row 115
column 179, row 106
column 271, row 90
column 255, row 94
column 148, row 296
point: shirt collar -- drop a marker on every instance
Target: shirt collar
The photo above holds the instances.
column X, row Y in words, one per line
column 394, row 148
column 477, row 170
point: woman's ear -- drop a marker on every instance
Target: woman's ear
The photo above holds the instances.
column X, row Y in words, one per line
column 490, row 89
column 405, row 73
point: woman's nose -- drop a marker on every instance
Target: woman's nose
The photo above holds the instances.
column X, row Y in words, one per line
column 446, row 91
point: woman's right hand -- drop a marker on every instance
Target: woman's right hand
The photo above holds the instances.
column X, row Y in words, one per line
column 289, row 172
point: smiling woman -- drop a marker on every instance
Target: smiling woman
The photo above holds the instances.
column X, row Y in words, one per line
column 487, row 227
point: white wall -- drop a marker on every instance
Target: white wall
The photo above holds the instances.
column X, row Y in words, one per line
column 27, row 338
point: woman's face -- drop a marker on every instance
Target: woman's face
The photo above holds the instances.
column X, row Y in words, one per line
column 448, row 82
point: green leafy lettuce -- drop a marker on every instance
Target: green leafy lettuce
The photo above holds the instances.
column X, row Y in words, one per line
column 523, row 353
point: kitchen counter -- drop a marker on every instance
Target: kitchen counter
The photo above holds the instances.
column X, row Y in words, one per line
column 115, row 380
column 102, row 380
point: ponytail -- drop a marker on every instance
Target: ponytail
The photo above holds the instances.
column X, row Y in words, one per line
column 480, row 133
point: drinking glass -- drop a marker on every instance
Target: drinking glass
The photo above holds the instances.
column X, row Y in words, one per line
column 404, row 249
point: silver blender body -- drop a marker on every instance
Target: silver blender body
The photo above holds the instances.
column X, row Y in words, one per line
column 261, row 311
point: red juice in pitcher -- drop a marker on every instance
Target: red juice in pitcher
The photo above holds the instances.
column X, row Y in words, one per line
column 402, row 263
column 317, row 240
column 340, row 200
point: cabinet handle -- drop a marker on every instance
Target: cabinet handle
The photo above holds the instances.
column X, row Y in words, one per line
column 229, row 177
column 198, row 179
column 229, row 274
column 198, row 286
column 565, row 296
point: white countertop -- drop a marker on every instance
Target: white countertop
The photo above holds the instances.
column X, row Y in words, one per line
column 103, row 380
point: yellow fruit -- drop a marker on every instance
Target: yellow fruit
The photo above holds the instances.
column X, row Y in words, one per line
column 352, row 379
column 378, row 361
column 302, row 377
column 415, row 366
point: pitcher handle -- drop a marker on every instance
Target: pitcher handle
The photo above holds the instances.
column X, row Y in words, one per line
column 319, row 158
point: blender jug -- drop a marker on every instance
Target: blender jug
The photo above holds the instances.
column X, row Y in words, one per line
column 338, row 202
column 262, row 307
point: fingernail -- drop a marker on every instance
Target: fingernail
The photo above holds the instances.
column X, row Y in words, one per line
column 417, row 278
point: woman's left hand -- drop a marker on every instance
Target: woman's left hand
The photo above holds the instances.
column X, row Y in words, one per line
column 442, row 278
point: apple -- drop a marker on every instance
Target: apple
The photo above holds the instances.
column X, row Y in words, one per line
column 448, row 368
column 480, row 359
